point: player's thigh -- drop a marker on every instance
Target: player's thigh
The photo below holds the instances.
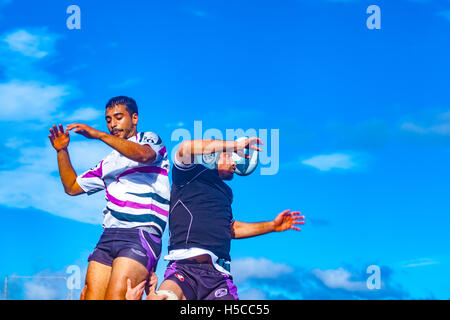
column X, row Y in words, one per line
column 122, row 269
column 97, row 279
column 174, row 287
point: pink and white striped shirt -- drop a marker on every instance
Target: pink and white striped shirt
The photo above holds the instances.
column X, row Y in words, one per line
column 137, row 194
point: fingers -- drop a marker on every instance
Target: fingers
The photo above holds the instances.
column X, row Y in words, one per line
column 255, row 148
column 152, row 288
column 255, row 140
column 295, row 215
column 140, row 287
column 151, row 284
column 52, row 133
column 153, row 279
column 296, row 229
column 73, row 126
column 78, row 128
column 56, row 131
column 129, row 285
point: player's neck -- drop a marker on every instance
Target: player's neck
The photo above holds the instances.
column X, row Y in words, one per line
column 132, row 133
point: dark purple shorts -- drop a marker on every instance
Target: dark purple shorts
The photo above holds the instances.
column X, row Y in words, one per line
column 136, row 244
column 201, row 281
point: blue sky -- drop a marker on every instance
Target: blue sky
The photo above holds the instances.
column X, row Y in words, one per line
column 363, row 118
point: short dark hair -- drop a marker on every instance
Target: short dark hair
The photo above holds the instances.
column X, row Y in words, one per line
column 129, row 103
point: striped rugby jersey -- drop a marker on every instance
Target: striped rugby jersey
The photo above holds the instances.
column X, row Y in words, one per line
column 137, row 194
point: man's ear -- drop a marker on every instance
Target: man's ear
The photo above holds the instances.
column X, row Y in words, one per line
column 135, row 118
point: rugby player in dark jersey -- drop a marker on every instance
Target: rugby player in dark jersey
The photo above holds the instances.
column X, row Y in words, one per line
column 201, row 223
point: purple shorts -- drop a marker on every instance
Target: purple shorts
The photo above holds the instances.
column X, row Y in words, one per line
column 201, row 281
column 134, row 243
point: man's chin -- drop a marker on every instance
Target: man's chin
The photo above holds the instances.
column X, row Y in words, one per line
column 227, row 177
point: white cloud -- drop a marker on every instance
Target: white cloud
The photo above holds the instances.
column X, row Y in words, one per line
column 261, row 268
column 83, row 114
column 37, row 44
column 339, row 279
column 331, row 161
column 419, row 263
column 16, row 142
column 409, row 126
column 30, row 100
column 35, row 183
column 252, row 294
column 440, row 125
column 40, row 291
column 31, row 179
column 25, row 98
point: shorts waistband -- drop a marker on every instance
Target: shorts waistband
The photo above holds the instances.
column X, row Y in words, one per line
column 226, row 264
column 150, row 230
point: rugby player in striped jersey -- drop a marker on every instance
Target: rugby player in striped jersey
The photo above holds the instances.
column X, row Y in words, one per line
column 135, row 179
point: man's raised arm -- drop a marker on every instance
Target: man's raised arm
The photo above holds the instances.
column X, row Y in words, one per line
column 284, row 221
column 60, row 141
column 188, row 149
column 129, row 149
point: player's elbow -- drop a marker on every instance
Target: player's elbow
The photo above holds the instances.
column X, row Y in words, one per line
column 73, row 190
column 233, row 230
column 70, row 192
column 184, row 149
column 147, row 157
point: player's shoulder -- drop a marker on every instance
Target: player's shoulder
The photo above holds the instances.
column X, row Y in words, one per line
column 149, row 137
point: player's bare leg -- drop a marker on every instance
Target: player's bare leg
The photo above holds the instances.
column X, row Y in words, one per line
column 97, row 279
column 122, row 269
column 83, row 293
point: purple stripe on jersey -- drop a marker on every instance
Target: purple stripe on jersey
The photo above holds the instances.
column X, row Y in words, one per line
column 147, row 169
column 135, row 205
column 162, row 151
column 231, row 287
column 95, row 173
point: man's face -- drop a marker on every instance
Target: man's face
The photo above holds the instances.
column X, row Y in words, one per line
column 226, row 166
column 119, row 121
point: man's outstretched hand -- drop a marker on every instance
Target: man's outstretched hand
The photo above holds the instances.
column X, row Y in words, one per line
column 249, row 143
column 85, row 130
column 58, row 138
column 288, row 220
